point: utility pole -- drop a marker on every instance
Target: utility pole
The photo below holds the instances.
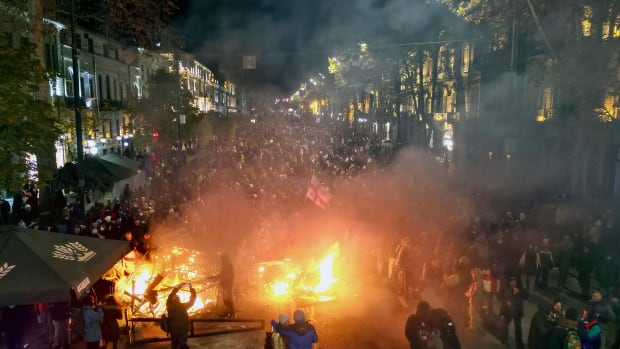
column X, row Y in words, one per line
column 78, row 112
column 177, row 58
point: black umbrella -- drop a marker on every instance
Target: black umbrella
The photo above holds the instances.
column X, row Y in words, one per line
column 39, row 266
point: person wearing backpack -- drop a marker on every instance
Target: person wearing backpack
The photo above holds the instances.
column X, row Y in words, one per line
column 589, row 330
column 420, row 331
column 565, row 334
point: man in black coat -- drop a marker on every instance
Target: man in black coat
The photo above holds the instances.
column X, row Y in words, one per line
column 226, row 278
column 415, row 323
column 541, row 326
column 511, row 309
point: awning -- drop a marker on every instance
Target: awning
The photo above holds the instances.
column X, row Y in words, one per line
column 99, row 175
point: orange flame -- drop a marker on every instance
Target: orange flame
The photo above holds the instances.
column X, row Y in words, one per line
column 317, row 279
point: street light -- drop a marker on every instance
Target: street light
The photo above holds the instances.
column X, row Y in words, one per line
column 78, row 112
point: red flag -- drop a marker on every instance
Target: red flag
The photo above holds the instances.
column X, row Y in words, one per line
column 318, row 193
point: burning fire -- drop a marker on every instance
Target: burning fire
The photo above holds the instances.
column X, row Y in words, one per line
column 315, row 281
column 145, row 285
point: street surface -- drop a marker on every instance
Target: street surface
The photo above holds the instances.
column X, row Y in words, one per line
column 372, row 318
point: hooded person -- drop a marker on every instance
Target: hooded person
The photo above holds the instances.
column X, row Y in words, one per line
column 278, row 340
column 301, row 334
column 419, row 326
column 540, row 328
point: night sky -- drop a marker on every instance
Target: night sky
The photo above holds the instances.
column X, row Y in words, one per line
column 290, row 38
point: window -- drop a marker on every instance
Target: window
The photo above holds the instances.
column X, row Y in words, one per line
column 586, row 21
column 100, row 88
column 114, row 88
column 69, row 82
column 91, row 48
column 49, row 65
column 91, row 88
column 466, row 58
column 108, row 90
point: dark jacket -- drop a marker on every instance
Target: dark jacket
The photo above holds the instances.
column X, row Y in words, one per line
column 178, row 319
column 109, row 325
column 512, row 304
column 559, row 333
column 301, row 335
column 415, row 323
column 442, row 321
column 540, row 329
column 602, row 310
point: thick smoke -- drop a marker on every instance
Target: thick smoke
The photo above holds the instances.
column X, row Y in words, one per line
column 292, row 39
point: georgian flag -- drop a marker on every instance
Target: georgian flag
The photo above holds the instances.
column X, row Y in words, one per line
column 318, row 193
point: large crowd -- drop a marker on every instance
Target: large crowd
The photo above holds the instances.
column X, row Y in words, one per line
column 427, row 231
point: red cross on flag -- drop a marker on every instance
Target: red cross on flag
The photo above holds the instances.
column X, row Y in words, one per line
column 318, row 193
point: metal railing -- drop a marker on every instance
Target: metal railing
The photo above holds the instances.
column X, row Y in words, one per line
column 249, row 325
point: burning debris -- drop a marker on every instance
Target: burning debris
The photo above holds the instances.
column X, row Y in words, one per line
column 143, row 285
column 283, row 279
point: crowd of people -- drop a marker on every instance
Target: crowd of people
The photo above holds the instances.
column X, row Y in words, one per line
column 427, row 231
column 488, row 273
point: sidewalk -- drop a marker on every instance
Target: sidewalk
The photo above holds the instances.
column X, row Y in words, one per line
column 35, row 339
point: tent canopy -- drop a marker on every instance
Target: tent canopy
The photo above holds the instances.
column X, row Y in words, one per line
column 39, row 266
column 122, row 161
column 99, row 175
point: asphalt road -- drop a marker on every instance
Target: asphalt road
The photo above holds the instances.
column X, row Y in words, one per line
column 369, row 316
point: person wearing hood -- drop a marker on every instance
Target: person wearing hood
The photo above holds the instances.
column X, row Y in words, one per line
column 301, row 334
column 419, row 325
column 278, row 341
column 541, row 325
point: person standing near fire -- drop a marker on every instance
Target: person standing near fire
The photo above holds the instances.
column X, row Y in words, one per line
column 92, row 322
column 301, row 334
column 405, row 266
column 178, row 318
column 226, row 277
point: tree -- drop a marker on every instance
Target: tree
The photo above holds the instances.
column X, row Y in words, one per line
column 568, row 49
column 137, row 22
column 166, row 101
column 27, row 124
